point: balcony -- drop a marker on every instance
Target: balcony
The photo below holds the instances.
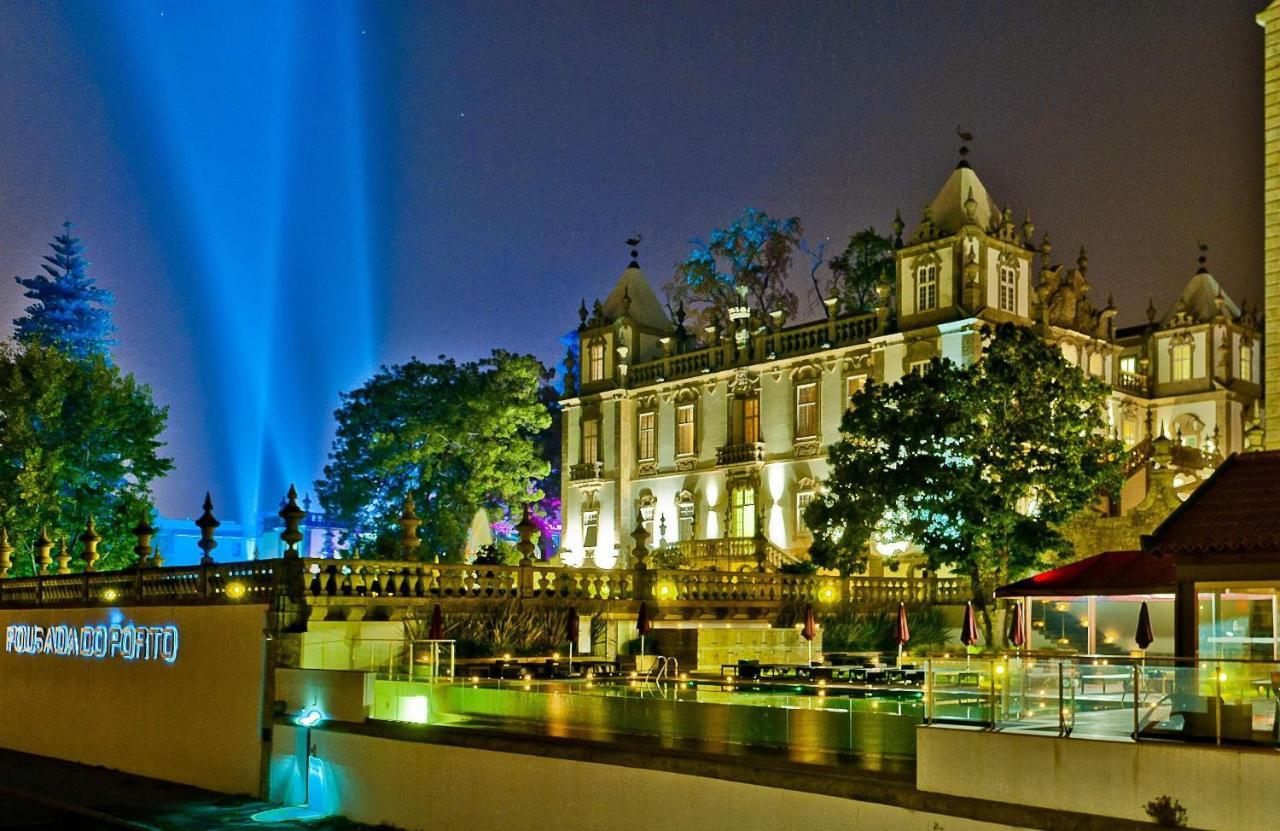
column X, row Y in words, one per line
column 586, row 472
column 1135, row 382
column 739, row 454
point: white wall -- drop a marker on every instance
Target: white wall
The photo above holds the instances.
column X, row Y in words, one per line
column 196, row 721
column 1221, row 787
column 416, row 785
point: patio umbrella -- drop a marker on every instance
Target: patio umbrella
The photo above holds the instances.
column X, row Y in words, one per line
column 1144, row 636
column 435, row 632
column 903, row 632
column 810, row 628
column 969, row 629
column 571, row 633
column 643, row 626
column 1017, row 630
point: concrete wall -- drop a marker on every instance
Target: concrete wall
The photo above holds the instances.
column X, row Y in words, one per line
column 1221, row 787
column 196, row 720
column 416, row 785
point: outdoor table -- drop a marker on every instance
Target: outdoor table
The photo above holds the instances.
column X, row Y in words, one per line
column 1103, row 679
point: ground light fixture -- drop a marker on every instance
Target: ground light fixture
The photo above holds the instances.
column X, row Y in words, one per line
column 236, row 590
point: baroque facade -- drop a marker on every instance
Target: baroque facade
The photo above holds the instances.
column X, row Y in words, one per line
column 716, row 440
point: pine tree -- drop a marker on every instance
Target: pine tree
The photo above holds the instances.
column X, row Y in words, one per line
column 70, row 313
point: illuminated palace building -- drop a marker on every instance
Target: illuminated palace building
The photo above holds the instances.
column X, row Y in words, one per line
column 718, row 439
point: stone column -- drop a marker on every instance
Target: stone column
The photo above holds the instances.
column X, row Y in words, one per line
column 1269, row 19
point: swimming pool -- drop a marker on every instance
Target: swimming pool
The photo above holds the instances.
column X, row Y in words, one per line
column 807, row 720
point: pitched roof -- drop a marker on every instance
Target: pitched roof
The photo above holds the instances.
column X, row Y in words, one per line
column 645, row 307
column 1236, row 511
column 1110, row 573
column 1198, row 298
column 947, row 208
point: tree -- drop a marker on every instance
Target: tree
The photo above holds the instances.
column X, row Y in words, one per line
column 866, row 261
column 78, row 438
column 746, row 264
column 70, row 313
column 979, row 466
column 459, row 436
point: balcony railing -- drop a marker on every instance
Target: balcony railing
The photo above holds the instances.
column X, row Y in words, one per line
column 586, row 472
column 726, row 554
column 737, row 454
column 1135, row 382
column 763, row 345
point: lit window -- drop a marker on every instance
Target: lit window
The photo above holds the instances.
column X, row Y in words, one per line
column 919, row 367
column 806, row 411
column 744, row 512
column 1246, row 362
column 590, row 441
column 645, row 444
column 926, row 288
column 750, row 420
column 1129, row 431
column 852, row 386
column 1129, row 364
column 685, row 508
column 595, row 362
column 590, row 522
column 684, row 430
column 803, row 498
column 1008, row 288
column 1181, row 354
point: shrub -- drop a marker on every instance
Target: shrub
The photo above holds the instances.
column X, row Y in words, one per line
column 1167, row 812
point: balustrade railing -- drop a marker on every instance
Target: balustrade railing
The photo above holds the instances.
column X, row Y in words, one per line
column 328, row 580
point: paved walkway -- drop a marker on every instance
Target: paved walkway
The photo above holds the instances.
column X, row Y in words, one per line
column 41, row 793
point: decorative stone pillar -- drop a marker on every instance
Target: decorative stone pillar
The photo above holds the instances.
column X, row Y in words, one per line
column 64, row 557
column 409, row 523
column 526, row 529
column 639, row 551
column 90, row 539
column 143, row 531
column 6, row 553
column 42, row 546
column 207, row 524
column 292, row 516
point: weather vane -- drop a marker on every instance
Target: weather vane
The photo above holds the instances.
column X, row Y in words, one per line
column 966, row 138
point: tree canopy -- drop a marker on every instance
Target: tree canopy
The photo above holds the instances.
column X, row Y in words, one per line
column 460, row 436
column 78, row 438
column 855, row 272
column 979, row 465
column 745, row 264
column 69, row 313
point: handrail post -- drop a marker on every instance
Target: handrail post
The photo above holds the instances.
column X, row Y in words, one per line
column 928, row 690
column 1062, row 711
column 1217, row 715
column 1137, row 681
column 991, row 691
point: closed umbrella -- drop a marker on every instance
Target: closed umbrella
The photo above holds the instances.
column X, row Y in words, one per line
column 969, row 629
column 435, row 632
column 903, row 631
column 643, row 626
column 1145, row 635
column 810, row 628
column 1017, row 629
column 571, row 633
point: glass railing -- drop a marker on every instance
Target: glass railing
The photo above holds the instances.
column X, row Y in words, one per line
column 1208, row 700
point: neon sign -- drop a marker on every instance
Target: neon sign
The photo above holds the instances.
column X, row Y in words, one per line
column 124, row 641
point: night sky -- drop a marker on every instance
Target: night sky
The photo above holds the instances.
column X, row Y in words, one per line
column 284, row 196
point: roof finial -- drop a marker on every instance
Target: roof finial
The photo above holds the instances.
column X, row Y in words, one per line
column 964, row 148
column 1082, row 261
column 635, row 255
column 1204, row 257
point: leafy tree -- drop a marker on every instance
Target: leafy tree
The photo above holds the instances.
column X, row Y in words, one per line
column 70, row 313
column 78, row 438
column 459, row 436
column 865, row 261
column 979, row 465
column 747, row 263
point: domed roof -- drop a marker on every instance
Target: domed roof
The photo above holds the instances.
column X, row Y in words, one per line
column 1198, row 300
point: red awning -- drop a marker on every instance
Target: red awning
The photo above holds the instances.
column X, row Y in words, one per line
column 1111, row 573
